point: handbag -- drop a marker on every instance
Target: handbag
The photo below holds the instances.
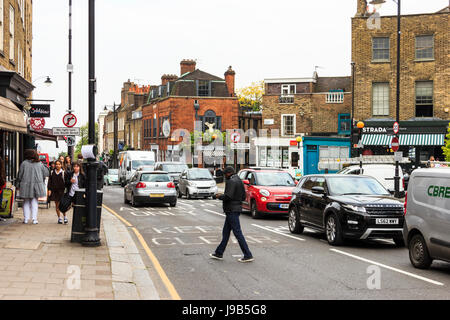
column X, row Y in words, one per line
column 65, row 203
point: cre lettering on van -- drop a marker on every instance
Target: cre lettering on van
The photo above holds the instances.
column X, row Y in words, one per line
column 439, row 192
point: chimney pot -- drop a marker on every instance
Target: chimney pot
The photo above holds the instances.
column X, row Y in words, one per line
column 187, row 65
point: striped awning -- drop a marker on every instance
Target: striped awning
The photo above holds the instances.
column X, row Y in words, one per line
column 426, row 139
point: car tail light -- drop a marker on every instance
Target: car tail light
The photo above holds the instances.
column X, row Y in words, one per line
column 141, row 185
column 403, row 181
column 171, row 185
column 406, row 202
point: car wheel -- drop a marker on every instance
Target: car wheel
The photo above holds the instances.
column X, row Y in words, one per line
column 125, row 198
column 418, row 252
column 294, row 221
column 254, row 211
column 333, row 230
column 399, row 242
column 133, row 201
column 188, row 194
column 173, row 204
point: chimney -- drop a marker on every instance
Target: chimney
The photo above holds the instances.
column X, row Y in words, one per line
column 361, row 8
column 229, row 79
column 167, row 78
column 187, row 65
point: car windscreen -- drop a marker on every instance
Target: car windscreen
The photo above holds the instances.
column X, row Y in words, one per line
column 339, row 186
column 113, row 172
column 199, row 174
column 174, row 168
column 135, row 164
column 153, row 177
column 275, row 179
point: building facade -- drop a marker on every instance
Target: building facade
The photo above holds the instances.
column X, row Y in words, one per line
column 424, row 81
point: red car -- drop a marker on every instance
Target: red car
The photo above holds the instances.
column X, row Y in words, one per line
column 267, row 191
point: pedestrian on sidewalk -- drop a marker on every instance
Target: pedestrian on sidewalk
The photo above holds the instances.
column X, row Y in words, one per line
column 61, row 158
column 75, row 180
column 68, row 164
column 31, row 184
column 2, row 181
column 56, row 188
column 232, row 206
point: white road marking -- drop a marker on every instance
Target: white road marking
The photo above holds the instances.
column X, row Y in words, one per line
column 220, row 214
column 388, row 267
column 277, row 232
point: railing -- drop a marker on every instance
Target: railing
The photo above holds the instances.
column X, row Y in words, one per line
column 335, row 97
column 286, row 99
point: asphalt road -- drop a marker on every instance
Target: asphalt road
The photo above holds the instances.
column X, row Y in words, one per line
column 286, row 266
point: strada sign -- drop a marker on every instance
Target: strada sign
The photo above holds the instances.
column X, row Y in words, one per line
column 374, row 130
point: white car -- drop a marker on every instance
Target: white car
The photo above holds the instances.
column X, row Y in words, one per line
column 384, row 173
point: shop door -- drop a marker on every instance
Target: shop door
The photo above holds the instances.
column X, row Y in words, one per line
column 312, row 160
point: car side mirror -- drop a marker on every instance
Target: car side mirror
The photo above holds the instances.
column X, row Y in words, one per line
column 296, row 182
column 128, row 168
column 246, row 182
column 318, row 190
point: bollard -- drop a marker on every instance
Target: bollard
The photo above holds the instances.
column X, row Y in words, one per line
column 80, row 214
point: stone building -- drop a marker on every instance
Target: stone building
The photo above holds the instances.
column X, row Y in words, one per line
column 424, row 80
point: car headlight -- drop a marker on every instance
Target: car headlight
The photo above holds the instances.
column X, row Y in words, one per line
column 354, row 208
column 264, row 192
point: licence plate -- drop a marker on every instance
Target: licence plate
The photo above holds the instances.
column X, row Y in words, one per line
column 203, row 191
column 284, row 206
column 156, row 195
column 386, row 221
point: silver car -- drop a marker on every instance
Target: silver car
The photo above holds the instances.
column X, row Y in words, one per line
column 147, row 187
column 197, row 183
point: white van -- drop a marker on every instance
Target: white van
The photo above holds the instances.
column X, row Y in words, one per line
column 384, row 173
column 130, row 161
column 427, row 216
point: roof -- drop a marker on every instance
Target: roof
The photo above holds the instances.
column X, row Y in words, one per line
column 199, row 75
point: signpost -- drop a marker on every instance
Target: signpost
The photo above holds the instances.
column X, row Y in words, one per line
column 37, row 123
column 67, row 131
column 395, row 144
column 396, row 127
column 70, row 120
column 240, row 146
column 235, row 137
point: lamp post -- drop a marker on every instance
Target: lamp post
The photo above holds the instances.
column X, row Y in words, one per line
column 70, row 149
column 48, row 82
column 353, row 109
column 360, row 125
column 115, row 165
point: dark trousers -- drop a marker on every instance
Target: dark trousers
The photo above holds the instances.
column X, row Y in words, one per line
column 232, row 223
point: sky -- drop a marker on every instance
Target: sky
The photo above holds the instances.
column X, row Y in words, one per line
column 141, row 40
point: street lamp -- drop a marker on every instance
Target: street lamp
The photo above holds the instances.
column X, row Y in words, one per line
column 360, row 125
column 115, row 133
column 299, row 140
column 48, row 82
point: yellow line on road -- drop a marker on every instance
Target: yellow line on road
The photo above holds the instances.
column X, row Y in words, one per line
column 162, row 274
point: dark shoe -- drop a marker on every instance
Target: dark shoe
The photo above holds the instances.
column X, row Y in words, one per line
column 216, row 256
column 250, row 259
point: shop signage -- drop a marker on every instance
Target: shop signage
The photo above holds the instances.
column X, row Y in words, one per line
column 66, row 131
column 40, row 111
column 37, row 123
column 269, row 122
column 293, row 143
column 374, row 130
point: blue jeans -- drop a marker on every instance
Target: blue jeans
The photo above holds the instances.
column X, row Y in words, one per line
column 232, row 223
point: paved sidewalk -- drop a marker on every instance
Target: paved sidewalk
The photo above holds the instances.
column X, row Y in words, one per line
column 38, row 262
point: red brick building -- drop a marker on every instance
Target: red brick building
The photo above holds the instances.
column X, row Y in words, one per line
column 180, row 101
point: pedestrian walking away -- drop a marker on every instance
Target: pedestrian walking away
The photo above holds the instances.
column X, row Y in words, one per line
column 232, row 199
column 56, row 187
column 31, row 184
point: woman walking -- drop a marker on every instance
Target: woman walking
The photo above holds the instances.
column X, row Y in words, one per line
column 68, row 164
column 31, row 184
column 75, row 180
column 56, row 187
column 2, row 182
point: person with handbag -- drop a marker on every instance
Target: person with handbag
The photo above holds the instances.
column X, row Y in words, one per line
column 31, row 184
column 56, row 188
column 75, row 180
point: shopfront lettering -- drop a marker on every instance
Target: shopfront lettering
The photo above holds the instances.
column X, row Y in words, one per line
column 374, row 130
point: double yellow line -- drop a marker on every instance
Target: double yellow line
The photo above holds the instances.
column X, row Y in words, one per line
column 162, row 274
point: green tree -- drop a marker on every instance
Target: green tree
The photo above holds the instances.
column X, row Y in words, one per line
column 446, row 147
column 64, row 154
column 251, row 96
column 85, row 137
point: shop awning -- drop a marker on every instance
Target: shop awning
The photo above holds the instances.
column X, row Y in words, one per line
column 44, row 136
column 11, row 118
column 426, row 139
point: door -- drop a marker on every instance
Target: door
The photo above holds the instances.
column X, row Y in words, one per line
column 243, row 176
column 305, row 201
column 312, row 160
column 318, row 202
column 183, row 182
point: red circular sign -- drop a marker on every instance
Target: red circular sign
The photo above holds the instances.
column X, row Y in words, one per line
column 70, row 120
column 395, row 144
column 37, row 123
column 396, row 127
column 235, row 137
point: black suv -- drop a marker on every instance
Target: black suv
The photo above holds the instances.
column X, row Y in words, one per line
column 344, row 206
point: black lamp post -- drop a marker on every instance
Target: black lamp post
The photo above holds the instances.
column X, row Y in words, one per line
column 70, row 149
column 115, row 165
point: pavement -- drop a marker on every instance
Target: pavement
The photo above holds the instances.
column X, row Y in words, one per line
column 38, row 262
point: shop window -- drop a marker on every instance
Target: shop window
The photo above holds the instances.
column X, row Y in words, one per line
column 424, row 99
column 380, row 49
column 344, row 125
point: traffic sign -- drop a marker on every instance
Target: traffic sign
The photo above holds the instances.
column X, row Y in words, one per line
column 240, row 146
column 70, row 141
column 396, row 127
column 70, row 120
column 235, row 137
column 66, row 131
column 37, row 123
column 395, row 144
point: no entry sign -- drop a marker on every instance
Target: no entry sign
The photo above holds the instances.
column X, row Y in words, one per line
column 395, row 144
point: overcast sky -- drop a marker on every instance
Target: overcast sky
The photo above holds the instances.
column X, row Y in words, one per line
column 141, row 40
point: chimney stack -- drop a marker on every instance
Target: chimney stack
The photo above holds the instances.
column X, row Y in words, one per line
column 229, row 79
column 187, row 65
column 361, row 8
column 168, row 78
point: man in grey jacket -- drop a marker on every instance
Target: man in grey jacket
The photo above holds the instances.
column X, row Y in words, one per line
column 232, row 206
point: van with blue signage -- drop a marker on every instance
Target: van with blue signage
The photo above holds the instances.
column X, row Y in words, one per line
column 427, row 216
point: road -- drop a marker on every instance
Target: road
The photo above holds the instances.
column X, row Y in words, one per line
column 286, row 266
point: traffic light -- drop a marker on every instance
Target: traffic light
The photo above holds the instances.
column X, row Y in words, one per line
column 356, row 135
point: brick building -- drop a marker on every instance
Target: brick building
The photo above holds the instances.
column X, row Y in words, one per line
column 424, row 80
column 180, row 101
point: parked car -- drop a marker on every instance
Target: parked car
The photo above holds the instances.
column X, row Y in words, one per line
column 346, row 206
column 150, row 187
column 173, row 168
column 112, row 177
column 268, row 192
column 384, row 173
column 197, row 183
column 427, row 216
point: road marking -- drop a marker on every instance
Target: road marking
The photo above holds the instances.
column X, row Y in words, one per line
column 280, row 233
column 388, row 267
column 172, row 291
column 219, row 214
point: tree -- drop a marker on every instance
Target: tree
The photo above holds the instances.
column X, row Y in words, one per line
column 446, row 147
column 85, row 137
column 64, row 154
column 251, row 96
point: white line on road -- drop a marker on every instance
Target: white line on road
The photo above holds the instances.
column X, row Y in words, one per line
column 220, row 214
column 388, row 267
column 280, row 233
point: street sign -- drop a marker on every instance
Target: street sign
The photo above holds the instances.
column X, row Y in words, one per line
column 396, row 127
column 395, row 144
column 70, row 141
column 40, row 111
column 235, row 137
column 398, row 156
column 66, row 131
column 37, row 123
column 70, row 120
column 240, row 146
column 166, row 128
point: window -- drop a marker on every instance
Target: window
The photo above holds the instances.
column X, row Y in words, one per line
column 287, row 89
column 211, row 118
column 288, row 124
column 22, row 11
column 309, row 183
column 424, row 47
column 380, row 49
column 380, row 99
column 154, row 127
column 335, row 96
column 344, row 125
column 243, row 174
column 2, row 28
column 11, row 33
column 203, row 88
column 424, row 98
